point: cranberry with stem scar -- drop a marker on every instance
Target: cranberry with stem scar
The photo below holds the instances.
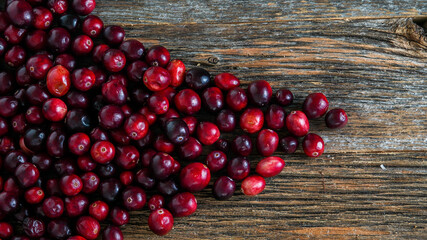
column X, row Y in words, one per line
column 313, row 145
column 160, row 221
column 315, row 105
column 260, row 92
column 103, row 152
column 195, row 177
column 297, row 123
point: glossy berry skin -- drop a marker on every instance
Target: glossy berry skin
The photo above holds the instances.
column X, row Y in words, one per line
column 191, row 122
column 158, row 104
column 38, row 66
column 99, row 52
column 79, row 143
column 76, row 205
column 183, row 204
column 111, row 117
column 267, row 142
column 82, row 45
column 195, row 177
column 313, row 145
column 42, row 18
column 114, row 92
column 226, row 120
column 6, row 230
column 197, row 78
column 187, row 101
column 238, row 168
column 252, row 120
column 289, row 144
column 275, row 117
column 53, row 207
column 133, row 49
column 15, row 57
column 114, row 35
column 226, row 81
column 176, row 68
column 336, row 118
column 222, row 145
column 20, row 13
column 134, row 198
column 168, row 188
column 59, row 229
column 190, row 150
column 99, row 210
column 34, row 115
column 27, row 174
column 71, row 185
column 213, row 99
column 127, row 177
column 88, row 227
column 145, row 178
column 223, row 188
column 36, row 40
column 33, row 227
column 127, row 157
column 208, row 133
column 260, row 93
column 156, row 202
column 284, row 97
column 297, row 123
column 236, row 99
column 162, row 166
column 114, row 60
column 14, row 35
column 66, row 60
column 136, row 126
column 216, row 161
column 177, row 131
column 160, row 221
column 58, row 40
column 70, row 22
column 157, row 78
column 315, row 105
column 242, row 145
column 253, row 185
column 103, row 152
column 157, row 56
column 58, row 81
column 270, row 166
column 119, row 216
column 83, row 7
column 112, row 233
column 9, row 106
column 54, row 109
column 92, row 26
column 163, row 144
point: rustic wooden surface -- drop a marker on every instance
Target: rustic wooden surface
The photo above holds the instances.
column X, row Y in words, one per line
column 369, row 58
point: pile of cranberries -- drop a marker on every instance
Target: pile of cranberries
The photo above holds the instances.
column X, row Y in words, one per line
column 93, row 126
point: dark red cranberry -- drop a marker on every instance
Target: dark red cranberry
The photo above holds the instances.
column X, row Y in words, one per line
column 238, row 168
column 157, row 56
column 20, row 13
column 19, row 123
column 82, row 45
column 56, row 144
column 134, row 198
column 99, row 210
column 140, row 96
column 36, row 40
column 236, row 99
column 190, row 150
column 313, row 145
column 187, row 101
column 226, row 120
column 98, row 134
column 226, row 81
column 77, row 99
column 27, row 174
column 14, row 35
column 7, row 144
column 33, row 227
column 216, row 160
column 88, row 227
column 297, row 123
column 3, row 46
column 58, row 40
column 284, row 97
column 71, row 185
column 144, row 178
column 85, row 162
column 6, row 83
column 99, row 52
column 195, row 177
column 127, row 177
column 3, row 126
column 6, row 230
column 58, row 81
column 176, row 69
column 34, row 139
column 156, row 202
column 168, row 92
column 242, row 145
column 191, row 122
column 90, row 182
column 275, row 117
column 289, row 144
column 114, row 92
column 222, row 145
column 112, row 233
column 127, row 157
column 114, row 35
column 120, row 137
column 183, row 204
column 38, row 66
column 13, row 159
column 260, row 92
column 59, row 229
column 157, row 78
column 42, row 18
column 42, row 161
column 149, row 115
column 53, row 207
column 119, row 216
column 160, row 221
column 110, row 189
column 162, row 166
column 65, row 166
column 177, row 131
column 70, row 22
column 267, row 142
column 83, row 79
column 36, row 95
column 336, row 118
column 107, row 170
column 135, row 71
column 83, row 7
column 171, row 113
column 223, row 188
column 76, row 205
column 197, row 78
column 146, row 156
column 136, row 126
column 92, row 26
column 133, row 49
column 9, row 202
column 103, row 152
column 11, row 186
column 52, row 188
column 253, row 185
column 111, row 117
column 270, row 166
column 15, row 57
column 315, row 105
column 213, row 99
column 34, row 115
column 4, row 20
column 158, row 104
column 78, row 120
column 58, row 6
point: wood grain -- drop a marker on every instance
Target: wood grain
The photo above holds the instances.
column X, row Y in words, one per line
column 368, row 57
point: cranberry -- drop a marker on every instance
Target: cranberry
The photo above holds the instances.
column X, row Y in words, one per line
column 87, row 226
column 216, row 161
column 162, row 166
column 38, row 66
column 92, row 26
column 289, row 144
column 19, row 123
column 33, row 227
column 70, row 22
column 275, row 117
column 226, row 81
column 252, row 120
column 270, row 166
column 213, row 99
column 78, row 120
column 58, row 6
column 79, row 143
column 27, row 174
column 58, row 81
column 158, row 104
column 315, row 105
column 238, row 168
column 99, row 210
column 236, row 99
column 190, row 150
column 145, row 178
column 297, row 123
column 112, row 233
column 223, row 145
column 34, row 115
column 56, row 144
column 114, row 92
column 58, row 40
column 83, row 7
column 114, row 35
column 82, row 45
column 9, row 202
column 65, row 166
column 34, row 139
column 59, row 229
column 191, row 122
column 13, row 159
column 119, row 216
column 53, row 207
column 84, row 162
column 267, row 142
column 150, row 116
column 71, row 185
column 3, row 46
column 36, row 95
column 127, row 157
column 6, row 81
column 103, row 152
column 242, row 145
column 90, row 182
column 160, row 221
column 15, row 57
column 136, row 126
column 157, row 56
column 114, row 60
column 111, row 117
column 156, row 202
column 135, row 71
column 42, row 18
column 157, row 78
column 146, row 156
column 42, row 161
column 54, row 109
column 66, row 60
column 99, row 52
column 83, row 79
column 177, row 131
column 134, row 198
column 183, row 204
column 6, row 230
column 313, row 145
column 208, row 133
column 99, row 134
column 253, row 185
column 4, row 20
column 187, row 101
column 284, row 97
column 7, row 144
column 14, row 35
column 36, row 40
column 76, row 205
column 226, row 120
column 195, row 177
column 52, row 188
column 336, row 118
column 126, row 177
column 163, row 144
column 223, row 188
column 20, row 13
column 176, row 69
column 133, row 49
column 3, row 126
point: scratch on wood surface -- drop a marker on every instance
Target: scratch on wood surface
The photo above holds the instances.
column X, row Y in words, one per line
column 344, row 231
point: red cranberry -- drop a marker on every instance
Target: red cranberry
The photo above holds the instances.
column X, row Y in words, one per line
column 238, row 168
column 111, row 117
column 71, row 185
column 226, row 81
column 134, row 198
column 270, row 166
column 58, row 6
column 76, row 205
column 127, row 157
column 88, row 227
column 99, row 52
column 160, row 221
column 14, row 35
column 190, row 150
column 191, row 122
column 253, row 185
column 176, row 69
column 297, row 123
column 226, row 120
column 195, row 177
column 82, row 45
column 177, row 131
column 114, row 60
column 284, row 97
column 183, row 204
column 313, row 145
column 33, row 227
column 336, row 118
column 223, row 188
column 236, row 99
column 98, row 134
column 70, row 22
column 6, row 230
column 112, row 233
column 208, row 133
column 135, row 71
column 79, row 143
column 34, row 195
column 38, row 66
column 216, row 160
column 289, row 144
column 58, row 40
column 114, row 92
column 59, row 229
column 145, row 178
column 20, row 13
column 242, row 145
column 103, row 152
column 83, row 7
column 36, row 40
column 27, row 174
column 92, row 26
column 136, row 126
column 133, row 49
column 42, row 18
column 146, row 156
column 126, row 177
column 53, row 207
column 162, row 166
column 187, row 101
column 90, row 182
column 83, row 79
column 156, row 202
column 7, row 144
column 267, row 142
column 58, row 81
column 99, row 210
column 157, row 78
column 150, row 116
column 114, row 35
column 275, row 117
column 252, row 120
column 34, row 115
column 119, row 216
column 315, row 105
column 66, row 60
column 260, row 92
column 15, row 57
column 157, row 56
column 213, row 99
column 84, row 162
column 158, row 104
column 171, row 113
column 163, row 144
column 54, row 109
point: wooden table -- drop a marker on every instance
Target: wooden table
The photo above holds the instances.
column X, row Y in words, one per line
column 368, row 57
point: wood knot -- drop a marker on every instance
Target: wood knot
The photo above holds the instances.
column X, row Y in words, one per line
column 412, row 32
column 213, row 60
